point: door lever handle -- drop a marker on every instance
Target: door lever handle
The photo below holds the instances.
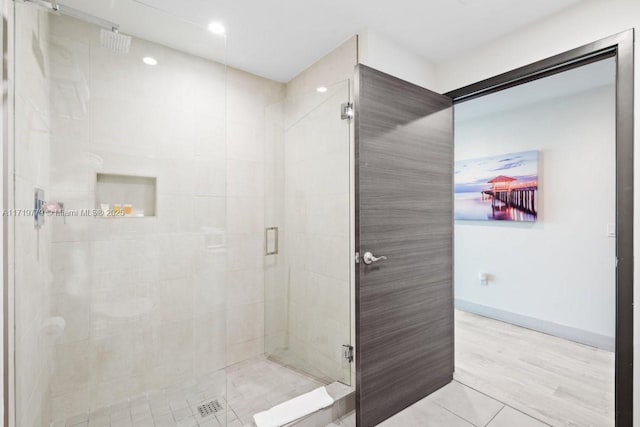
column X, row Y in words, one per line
column 369, row 258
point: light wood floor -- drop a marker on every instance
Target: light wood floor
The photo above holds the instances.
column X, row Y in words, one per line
column 559, row 382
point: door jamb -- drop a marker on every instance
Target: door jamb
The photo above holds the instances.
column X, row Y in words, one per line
column 620, row 46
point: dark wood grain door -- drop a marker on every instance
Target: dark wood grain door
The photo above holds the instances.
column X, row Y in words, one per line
column 404, row 202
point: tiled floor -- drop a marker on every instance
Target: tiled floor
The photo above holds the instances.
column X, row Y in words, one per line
column 489, row 354
column 454, row 405
column 259, row 384
column 508, row 376
column 251, row 386
column 551, row 379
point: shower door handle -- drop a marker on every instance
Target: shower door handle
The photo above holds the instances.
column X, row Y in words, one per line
column 369, row 258
column 267, row 251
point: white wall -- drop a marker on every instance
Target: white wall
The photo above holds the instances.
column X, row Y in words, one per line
column 380, row 52
column 587, row 22
column 560, row 271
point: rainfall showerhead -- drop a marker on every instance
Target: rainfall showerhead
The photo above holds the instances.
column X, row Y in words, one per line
column 115, row 41
column 110, row 37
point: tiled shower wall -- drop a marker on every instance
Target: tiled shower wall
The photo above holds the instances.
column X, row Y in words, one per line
column 153, row 301
column 248, row 96
column 30, row 260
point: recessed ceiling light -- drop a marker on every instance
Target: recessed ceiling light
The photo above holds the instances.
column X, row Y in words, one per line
column 149, row 60
column 322, row 89
column 217, row 28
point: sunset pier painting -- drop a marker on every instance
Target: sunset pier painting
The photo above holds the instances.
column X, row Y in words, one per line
column 498, row 188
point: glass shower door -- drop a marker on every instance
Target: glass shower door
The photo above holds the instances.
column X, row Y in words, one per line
column 307, row 239
column 120, row 312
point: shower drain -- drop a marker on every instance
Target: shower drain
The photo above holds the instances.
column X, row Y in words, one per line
column 209, row 408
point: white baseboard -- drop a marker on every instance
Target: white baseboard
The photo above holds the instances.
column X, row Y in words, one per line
column 567, row 332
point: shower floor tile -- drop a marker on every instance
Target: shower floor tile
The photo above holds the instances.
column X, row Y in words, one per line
column 242, row 390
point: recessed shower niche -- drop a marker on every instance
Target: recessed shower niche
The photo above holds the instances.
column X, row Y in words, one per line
column 126, row 196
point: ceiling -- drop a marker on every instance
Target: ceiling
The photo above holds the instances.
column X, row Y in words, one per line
column 280, row 38
column 592, row 76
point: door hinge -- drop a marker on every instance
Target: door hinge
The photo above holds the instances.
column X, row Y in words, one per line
column 346, row 111
column 347, row 352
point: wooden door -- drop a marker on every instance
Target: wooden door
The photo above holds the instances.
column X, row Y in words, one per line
column 404, row 212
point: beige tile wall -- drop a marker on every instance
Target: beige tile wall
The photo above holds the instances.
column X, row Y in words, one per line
column 153, row 301
column 248, row 97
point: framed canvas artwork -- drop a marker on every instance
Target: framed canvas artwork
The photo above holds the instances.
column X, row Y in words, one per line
column 497, row 188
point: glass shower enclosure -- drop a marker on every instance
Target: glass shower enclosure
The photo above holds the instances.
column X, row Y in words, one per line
column 307, row 239
column 119, row 142
column 179, row 234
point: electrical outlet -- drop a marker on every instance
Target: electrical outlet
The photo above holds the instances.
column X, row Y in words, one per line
column 483, row 278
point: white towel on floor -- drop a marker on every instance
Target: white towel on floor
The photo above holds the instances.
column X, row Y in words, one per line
column 294, row 409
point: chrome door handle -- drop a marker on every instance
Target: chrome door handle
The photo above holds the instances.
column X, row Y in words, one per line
column 368, row 258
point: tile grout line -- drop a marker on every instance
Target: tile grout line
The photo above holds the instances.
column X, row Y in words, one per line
column 496, row 414
column 524, row 413
column 479, row 392
column 458, row 416
column 503, row 403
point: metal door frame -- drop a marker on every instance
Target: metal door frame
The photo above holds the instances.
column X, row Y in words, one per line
column 621, row 47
